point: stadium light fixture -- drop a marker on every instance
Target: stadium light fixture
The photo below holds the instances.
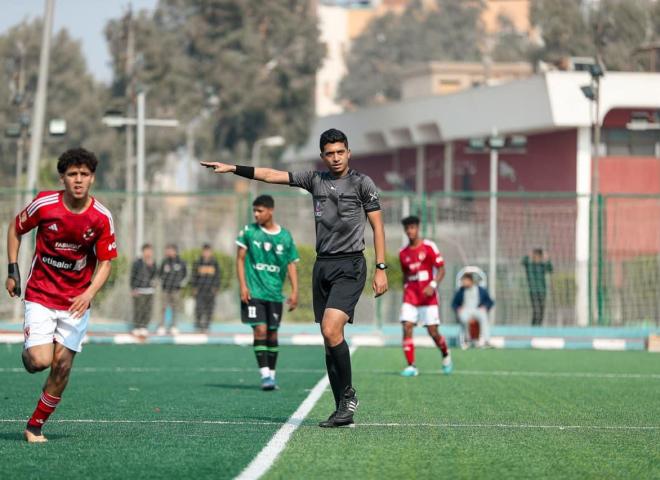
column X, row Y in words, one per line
column 477, row 143
column 13, row 130
column 275, row 141
column 496, row 142
column 588, row 92
column 517, row 141
column 57, row 127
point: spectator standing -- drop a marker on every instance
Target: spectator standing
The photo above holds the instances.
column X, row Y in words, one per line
column 143, row 288
column 172, row 273
column 536, row 268
column 205, row 282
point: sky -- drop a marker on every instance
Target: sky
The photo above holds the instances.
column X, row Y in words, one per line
column 84, row 19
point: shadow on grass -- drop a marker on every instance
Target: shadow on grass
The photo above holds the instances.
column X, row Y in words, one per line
column 17, row 436
column 233, row 386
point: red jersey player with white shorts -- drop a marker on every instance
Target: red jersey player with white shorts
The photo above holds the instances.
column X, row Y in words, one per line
column 423, row 269
column 75, row 244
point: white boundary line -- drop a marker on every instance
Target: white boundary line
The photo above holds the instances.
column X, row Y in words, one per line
column 267, row 456
column 299, row 420
column 500, row 373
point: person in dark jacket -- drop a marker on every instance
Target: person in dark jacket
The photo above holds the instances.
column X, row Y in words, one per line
column 172, row 273
column 205, row 282
column 536, row 268
column 143, row 275
column 473, row 302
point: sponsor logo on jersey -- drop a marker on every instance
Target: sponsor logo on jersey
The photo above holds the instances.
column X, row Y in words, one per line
column 112, row 246
column 266, row 267
column 64, row 264
column 67, row 246
column 257, row 243
column 23, row 217
column 318, row 209
column 53, row 227
column 89, row 233
column 279, row 249
column 373, row 196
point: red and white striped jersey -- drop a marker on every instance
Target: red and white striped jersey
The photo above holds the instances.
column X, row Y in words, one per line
column 67, row 248
column 419, row 266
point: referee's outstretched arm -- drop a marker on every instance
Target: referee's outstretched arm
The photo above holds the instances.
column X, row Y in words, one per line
column 267, row 175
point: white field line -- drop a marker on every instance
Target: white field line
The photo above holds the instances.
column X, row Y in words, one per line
column 299, row 420
column 500, row 373
column 267, row 456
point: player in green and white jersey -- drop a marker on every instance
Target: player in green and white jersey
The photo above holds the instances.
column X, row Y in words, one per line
column 266, row 254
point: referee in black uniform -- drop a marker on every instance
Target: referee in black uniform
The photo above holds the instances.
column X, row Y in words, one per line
column 343, row 201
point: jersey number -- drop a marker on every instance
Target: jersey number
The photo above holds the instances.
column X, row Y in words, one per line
column 252, row 311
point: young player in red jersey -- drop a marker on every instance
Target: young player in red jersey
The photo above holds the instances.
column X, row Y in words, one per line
column 74, row 248
column 423, row 269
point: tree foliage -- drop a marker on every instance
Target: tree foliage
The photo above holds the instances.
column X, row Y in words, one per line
column 611, row 29
column 257, row 60
column 393, row 43
column 72, row 95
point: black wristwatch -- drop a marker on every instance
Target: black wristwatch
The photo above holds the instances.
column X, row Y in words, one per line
column 381, row 266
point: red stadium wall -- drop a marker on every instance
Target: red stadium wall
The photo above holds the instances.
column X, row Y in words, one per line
column 547, row 165
column 632, row 224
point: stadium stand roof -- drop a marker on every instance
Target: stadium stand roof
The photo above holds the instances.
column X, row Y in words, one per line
column 548, row 101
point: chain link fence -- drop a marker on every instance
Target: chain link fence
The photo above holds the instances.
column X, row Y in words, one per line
column 625, row 265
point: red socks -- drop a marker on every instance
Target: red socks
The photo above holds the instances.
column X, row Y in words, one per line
column 442, row 345
column 409, row 350
column 46, row 406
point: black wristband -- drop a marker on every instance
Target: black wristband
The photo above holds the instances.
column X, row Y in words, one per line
column 13, row 269
column 244, row 171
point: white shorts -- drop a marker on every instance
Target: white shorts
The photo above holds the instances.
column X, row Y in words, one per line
column 43, row 325
column 425, row 316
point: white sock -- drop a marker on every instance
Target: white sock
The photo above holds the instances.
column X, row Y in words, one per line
column 272, row 374
column 265, row 372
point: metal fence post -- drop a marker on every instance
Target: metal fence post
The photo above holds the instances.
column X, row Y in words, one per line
column 600, row 285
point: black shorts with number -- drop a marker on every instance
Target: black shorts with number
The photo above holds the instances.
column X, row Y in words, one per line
column 259, row 312
column 337, row 282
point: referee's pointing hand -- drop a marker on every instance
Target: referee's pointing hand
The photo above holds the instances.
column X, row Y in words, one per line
column 218, row 167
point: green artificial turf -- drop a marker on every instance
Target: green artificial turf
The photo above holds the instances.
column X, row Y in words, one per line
column 490, row 419
column 495, row 417
column 178, row 383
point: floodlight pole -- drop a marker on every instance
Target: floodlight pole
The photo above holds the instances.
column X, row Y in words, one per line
column 139, row 234
column 595, row 200
column 140, row 122
column 492, row 243
column 37, row 129
column 275, row 141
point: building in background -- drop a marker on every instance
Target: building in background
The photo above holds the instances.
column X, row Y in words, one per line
column 341, row 21
column 441, row 78
column 423, row 145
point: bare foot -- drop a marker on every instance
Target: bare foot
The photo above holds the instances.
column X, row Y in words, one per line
column 33, row 436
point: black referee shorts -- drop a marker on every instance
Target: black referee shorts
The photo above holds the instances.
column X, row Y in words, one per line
column 337, row 282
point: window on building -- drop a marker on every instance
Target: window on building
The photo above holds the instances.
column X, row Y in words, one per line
column 635, row 143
